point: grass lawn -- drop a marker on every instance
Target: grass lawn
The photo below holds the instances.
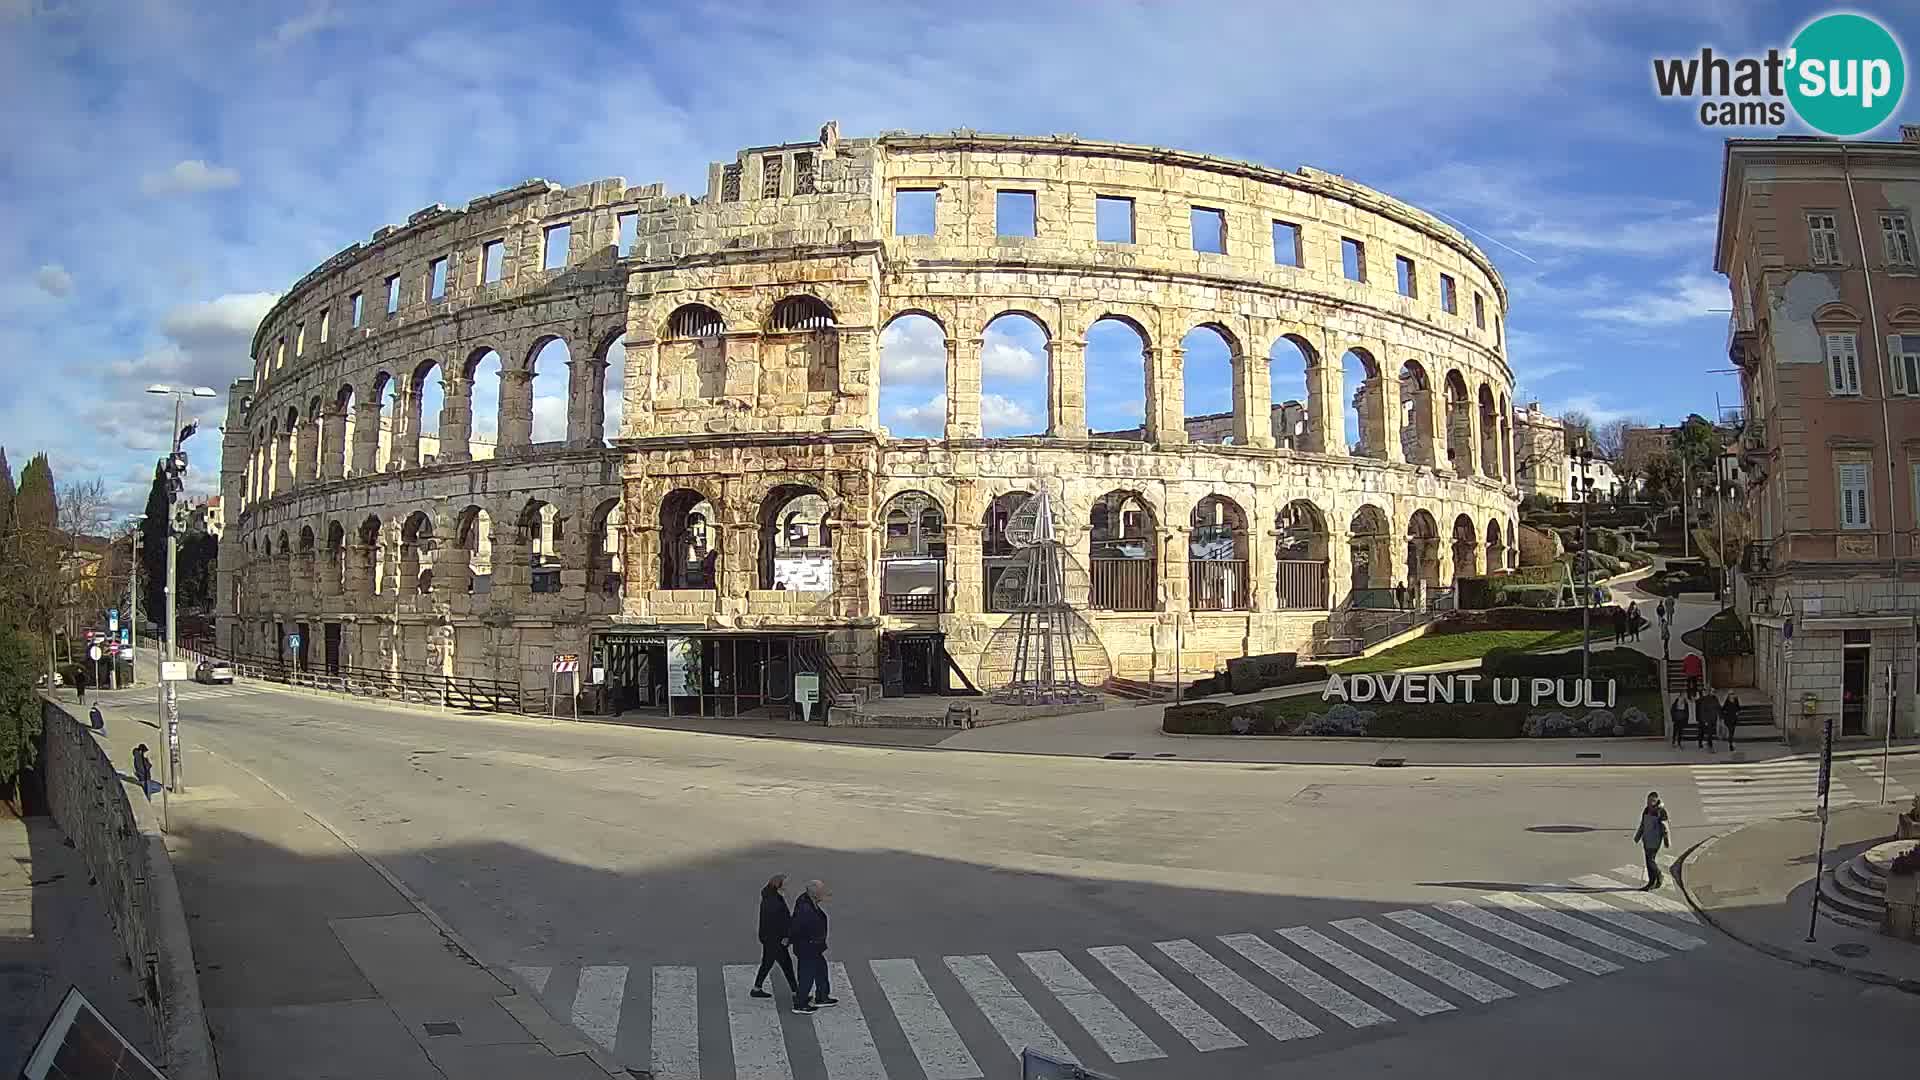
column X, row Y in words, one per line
column 1441, row 648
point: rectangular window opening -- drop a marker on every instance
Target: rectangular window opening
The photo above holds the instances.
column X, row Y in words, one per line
column 1113, row 219
column 326, row 326
column 803, row 173
column 1286, row 244
column 914, row 211
column 437, row 279
column 1843, row 364
column 1479, row 311
column 1897, row 234
column 1015, row 213
column 1449, row 298
column 1823, row 239
column 629, row 232
column 1406, row 278
column 556, row 240
column 1853, row 495
column 493, row 261
column 772, row 168
column 1353, row 259
column 393, row 294
column 1209, row 230
column 356, row 301
column 300, row 339
column 1906, row 364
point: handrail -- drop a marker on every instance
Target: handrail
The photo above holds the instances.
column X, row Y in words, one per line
column 446, row 691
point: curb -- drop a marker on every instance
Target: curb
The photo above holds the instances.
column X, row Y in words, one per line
column 1780, row 952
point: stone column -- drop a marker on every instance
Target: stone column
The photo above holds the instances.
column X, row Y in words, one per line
column 456, row 418
column 331, row 582
column 1253, row 402
column 359, row 580
column 1425, row 444
column 1460, row 438
column 1397, row 569
column 366, row 437
column 572, row 550
column 586, row 400
column 1390, row 418
column 963, row 388
column 966, row 594
column 1339, row 564
column 1326, row 418
column 307, row 461
column 1175, row 545
column 283, row 463
column 1067, row 389
column 309, row 581
column 1373, row 416
column 404, row 446
column 333, row 439
column 516, row 408
column 512, row 579
column 1166, row 396
column 283, row 582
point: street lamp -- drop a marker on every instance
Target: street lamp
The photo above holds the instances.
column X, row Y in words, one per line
column 1723, row 481
column 133, row 603
column 175, row 467
column 1583, row 491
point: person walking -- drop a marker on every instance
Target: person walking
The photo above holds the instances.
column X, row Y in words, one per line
column 80, row 683
column 143, row 770
column 1636, row 621
column 1706, row 718
column 775, row 921
column 1677, row 719
column 1694, row 668
column 1400, row 596
column 1653, row 835
column 1730, row 716
column 1619, row 625
column 808, row 932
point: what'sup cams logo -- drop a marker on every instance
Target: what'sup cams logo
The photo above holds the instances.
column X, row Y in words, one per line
column 1844, row 74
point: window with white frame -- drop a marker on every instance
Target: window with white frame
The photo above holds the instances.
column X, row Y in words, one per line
column 1843, row 363
column 1853, row 494
column 1903, row 351
column 1896, row 232
column 1823, row 239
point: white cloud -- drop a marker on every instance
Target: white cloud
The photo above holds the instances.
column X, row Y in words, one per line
column 219, row 322
column 915, row 421
column 1001, row 415
column 1598, row 409
column 1681, row 299
column 54, row 280
column 913, row 350
column 549, row 419
column 1005, row 359
column 321, row 17
column 189, row 178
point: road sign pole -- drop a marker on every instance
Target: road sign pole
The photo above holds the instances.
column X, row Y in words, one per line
column 1820, row 856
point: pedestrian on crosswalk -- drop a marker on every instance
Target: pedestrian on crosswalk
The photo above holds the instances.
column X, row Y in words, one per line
column 808, row 932
column 775, row 922
column 1653, row 836
column 1706, row 718
column 1730, row 716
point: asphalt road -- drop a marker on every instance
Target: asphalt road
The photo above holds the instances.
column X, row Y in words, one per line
column 1153, row 919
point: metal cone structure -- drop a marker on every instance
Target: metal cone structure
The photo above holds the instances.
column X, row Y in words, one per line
column 1045, row 636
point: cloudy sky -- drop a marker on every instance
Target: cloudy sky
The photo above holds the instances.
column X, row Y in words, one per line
column 172, row 166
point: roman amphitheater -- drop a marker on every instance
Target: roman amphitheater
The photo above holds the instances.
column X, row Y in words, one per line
column 722, row 505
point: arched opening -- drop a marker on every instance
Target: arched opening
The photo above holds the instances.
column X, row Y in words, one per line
column 1294, row 402
column 1123, row 553
column 1368, row 535
column 312, row 435
column 539, row 529
column 1489, row 434
column 1466, row 548
column 416, row 553
column 1459, row 426
column 1496, row 549
column 381, row 397
column 913, row 378
column 998, row 556
column 1206, row 358
column 1423, row 551
column 307, row 540
column 1217, row 555
column 913, row 555
column 1416, row 414
column 425, row 404
column 801, row 350
column 607, row 549
column 1013, row 377
column 379, row 574
column 551, row 366
column 613, row 389
column 484, row 378
column 693, row 354
column 474, row 531
column 1116, row 379
column 335, row 575
column 796, row 542
column 689, row 541
column 1506, row 438
column 1300, row 544
column 1366, row 416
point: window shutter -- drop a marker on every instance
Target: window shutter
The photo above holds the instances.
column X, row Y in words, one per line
column 1897, row 361
column 1853, row 494
column 1852, row 354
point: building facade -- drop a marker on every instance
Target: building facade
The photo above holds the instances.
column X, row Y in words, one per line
column 1816, row 239
column 722, row 507
column 1540, row 452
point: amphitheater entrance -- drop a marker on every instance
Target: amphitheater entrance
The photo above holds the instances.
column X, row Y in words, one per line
column 707, row 674
column 913, row 663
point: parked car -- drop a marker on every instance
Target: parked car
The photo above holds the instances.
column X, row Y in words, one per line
column 213, row 672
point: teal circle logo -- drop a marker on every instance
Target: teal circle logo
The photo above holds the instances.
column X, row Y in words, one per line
column 1848, row 74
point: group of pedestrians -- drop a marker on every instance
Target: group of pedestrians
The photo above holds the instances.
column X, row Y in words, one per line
column 804, row 928
column 1705, row 714
column 1627, row 623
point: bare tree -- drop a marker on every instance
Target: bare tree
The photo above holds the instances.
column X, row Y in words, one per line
column 1610, row 439
column 1579, row 428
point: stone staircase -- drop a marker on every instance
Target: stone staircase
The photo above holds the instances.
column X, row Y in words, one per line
column 1855, row 892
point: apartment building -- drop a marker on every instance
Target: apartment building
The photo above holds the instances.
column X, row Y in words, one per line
column 1816, row 237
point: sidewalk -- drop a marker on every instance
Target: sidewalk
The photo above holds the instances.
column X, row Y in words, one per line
column 314, row 963
column 1753, row 884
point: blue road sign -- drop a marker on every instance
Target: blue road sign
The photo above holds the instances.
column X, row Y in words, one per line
column 293, row 641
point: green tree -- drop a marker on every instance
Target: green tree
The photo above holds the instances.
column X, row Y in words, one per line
column 34, row 505
column 1664, row 479
column 19, row 706
column 153, row 547
column 6, row 492
column 199, row 552
column 1696, row 444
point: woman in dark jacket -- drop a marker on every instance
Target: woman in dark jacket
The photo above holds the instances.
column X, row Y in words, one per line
column 774, row 921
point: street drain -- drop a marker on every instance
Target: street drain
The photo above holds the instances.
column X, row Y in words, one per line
column 1118, row 755
column 441, row 1027
column 1389, row 762
column 1852, row 950
column 1163, row 755
column 1586, row 755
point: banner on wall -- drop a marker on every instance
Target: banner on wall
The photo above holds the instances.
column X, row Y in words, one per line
column 683, row 667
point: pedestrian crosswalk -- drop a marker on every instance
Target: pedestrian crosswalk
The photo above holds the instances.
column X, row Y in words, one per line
column 187, row 691
column 968, row 1017
column 1730, row 794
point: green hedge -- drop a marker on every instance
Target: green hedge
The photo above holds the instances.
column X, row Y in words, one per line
column 1631, row 668
column 1309, row 716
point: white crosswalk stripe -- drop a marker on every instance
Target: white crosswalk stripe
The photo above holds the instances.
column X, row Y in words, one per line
column 759, row 1047
column 1120, row 1038
column 1182, row 1013
column 1018, row 1023
column 1367, row 972
column 1730, row 794
column 1419, row 959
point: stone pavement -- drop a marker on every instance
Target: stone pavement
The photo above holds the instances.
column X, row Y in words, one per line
column 315, row 964
column 55, row 933
column 1753, row 884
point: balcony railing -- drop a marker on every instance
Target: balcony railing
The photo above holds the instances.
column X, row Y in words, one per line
column 926, row 603
column 1302, row 584
column 1123, row 584
column 1218, row 584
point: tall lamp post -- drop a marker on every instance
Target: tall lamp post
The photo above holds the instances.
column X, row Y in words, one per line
column 1583, row 491
column 1723, row 482
column 175, row 467
column 133, row 604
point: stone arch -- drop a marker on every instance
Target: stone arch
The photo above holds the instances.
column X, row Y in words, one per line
column 1302, row 549
column 796, row 539
column 1368, row 537
column 607, row 548
column 483, row 374
column 1466, row 548
column 1293, row 393
column 373, row 552
column 548, row 392
column 610, row 403
column 1123, row 548
column 417, row 544
column 336, row 572
column 1417, row 407
column 693, row 354
column 1423, row 549
column 1496, row 547
column 307, row 540
column 913, row 555
column 690, row 541
column 1217, row 555
column 380, row 418
column 426, row 402
column 1001, row 573
column 1506, row 439
column 1210, row 362
column 539, row 529
column 1016, row 350
column 1459, row 424
column 690, row 321
column 1365, row 420
column 800, row 347
column 914, row 358
column 1489, row 433
column 473, row 536
column 1116, row 384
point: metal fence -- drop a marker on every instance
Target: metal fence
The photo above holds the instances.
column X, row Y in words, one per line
column 1124, row 584
column 444, row 691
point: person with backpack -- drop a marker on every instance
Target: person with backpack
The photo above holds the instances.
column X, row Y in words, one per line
column 1653, row 835
column 775, row 921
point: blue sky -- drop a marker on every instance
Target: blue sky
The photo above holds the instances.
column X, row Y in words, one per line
column 172, row 167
